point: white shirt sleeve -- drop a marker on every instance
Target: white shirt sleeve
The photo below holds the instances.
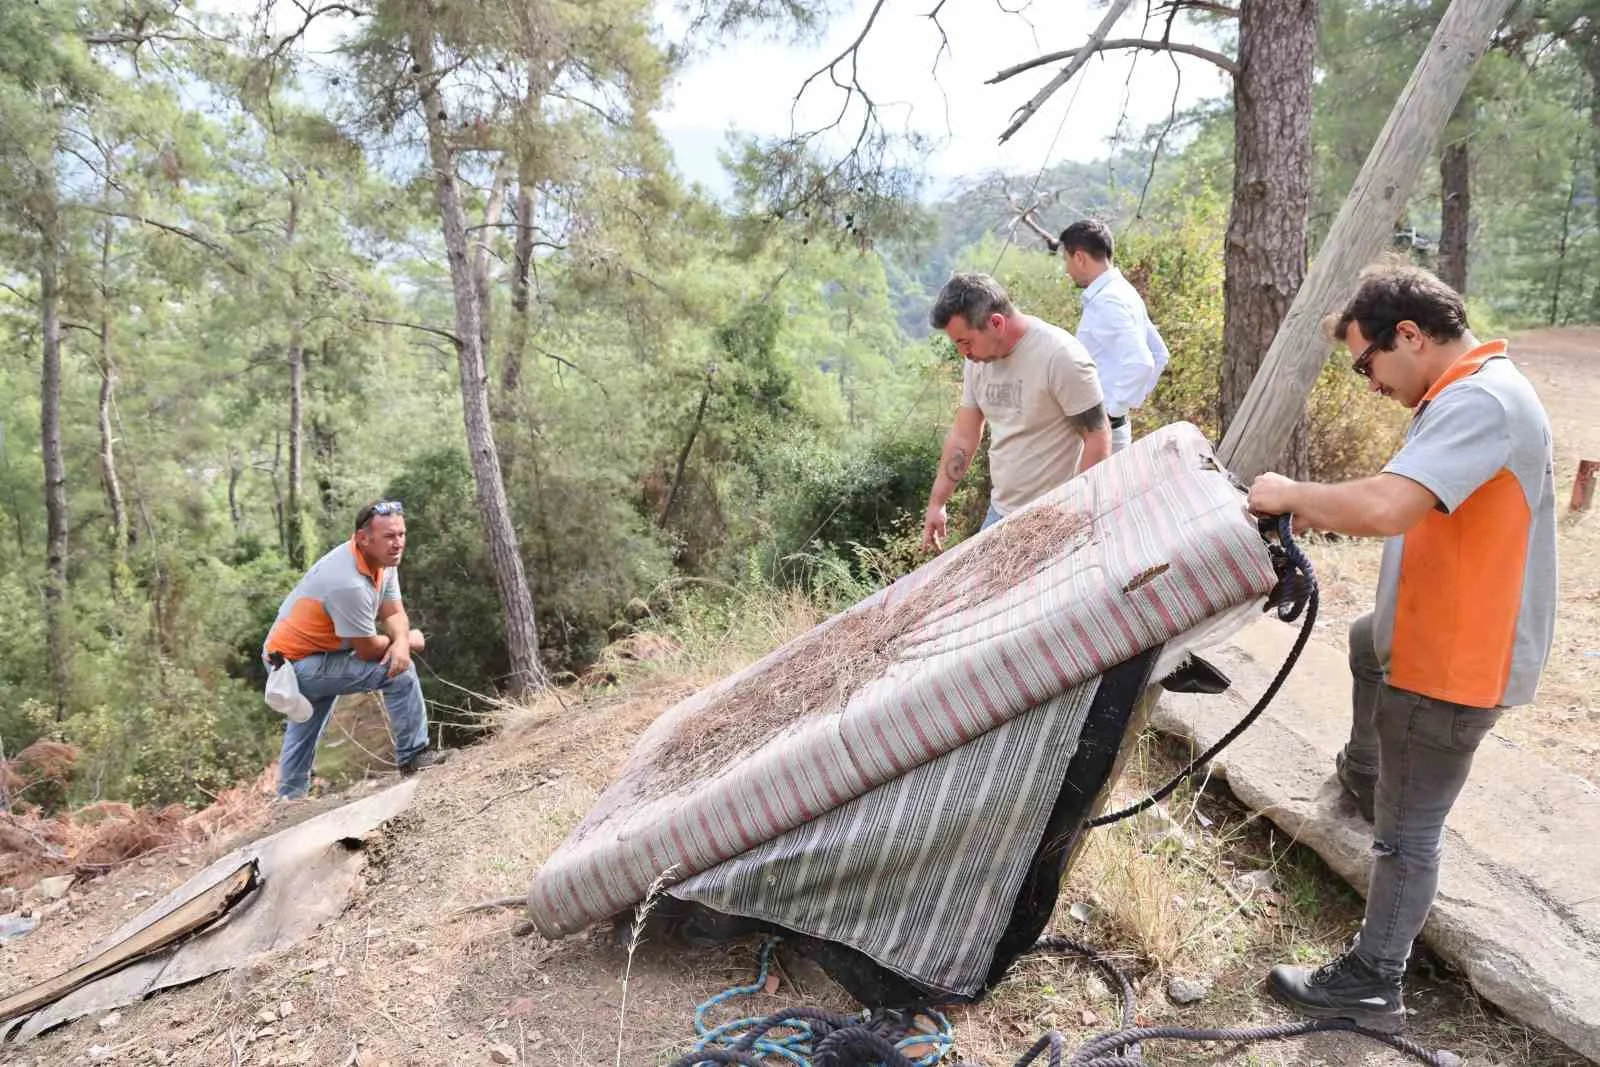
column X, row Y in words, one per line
column 1116, row 337
column 1158, row 353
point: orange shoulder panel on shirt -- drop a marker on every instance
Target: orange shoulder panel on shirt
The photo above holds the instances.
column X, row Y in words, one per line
column 305, row 631
column 1459, row 595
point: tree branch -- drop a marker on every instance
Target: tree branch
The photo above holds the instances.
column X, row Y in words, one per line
column 1027, row 219
column 565, row 362
column 178, row 231
column 436, row 331
column 117, row 37
column 1172, row 117
column 1203, row 6
column 853, row 87
column 1216, row 58
column 1079, row 58
column 19, row 294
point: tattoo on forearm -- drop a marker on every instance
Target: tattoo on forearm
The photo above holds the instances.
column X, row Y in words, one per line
column 1087, row 422
column 956, row 466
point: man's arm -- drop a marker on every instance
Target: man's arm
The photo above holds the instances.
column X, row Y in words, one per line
column 1381, row 506
column 1091, row 425
column 1462, row 444
column 397, row 631
column 403, row 640
column 960, row 446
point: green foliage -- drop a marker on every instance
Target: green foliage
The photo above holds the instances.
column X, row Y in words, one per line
column 685, row 393
column 841, row 501
column 170, row 736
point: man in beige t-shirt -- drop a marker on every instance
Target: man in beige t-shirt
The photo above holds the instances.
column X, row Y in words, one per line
column 1035, row 386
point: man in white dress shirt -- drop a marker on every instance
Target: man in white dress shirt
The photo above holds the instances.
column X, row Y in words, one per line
column 1115, row 327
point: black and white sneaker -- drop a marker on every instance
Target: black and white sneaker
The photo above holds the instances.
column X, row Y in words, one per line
column 1346, row 988
column 428, row 757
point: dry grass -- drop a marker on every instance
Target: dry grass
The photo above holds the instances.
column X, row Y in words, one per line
column 99, row 838
column 394, row 980
column 400, row 981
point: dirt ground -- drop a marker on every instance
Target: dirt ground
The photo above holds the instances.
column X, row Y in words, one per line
column 402, row 979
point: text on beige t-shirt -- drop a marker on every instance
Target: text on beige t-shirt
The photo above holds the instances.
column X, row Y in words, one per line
column 1027, row 398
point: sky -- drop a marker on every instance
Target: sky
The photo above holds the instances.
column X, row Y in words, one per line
column 751, row 85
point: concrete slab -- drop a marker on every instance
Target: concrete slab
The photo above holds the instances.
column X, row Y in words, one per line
column 1519, row 898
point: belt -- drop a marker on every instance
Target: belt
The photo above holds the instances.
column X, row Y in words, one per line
column 1118, row 421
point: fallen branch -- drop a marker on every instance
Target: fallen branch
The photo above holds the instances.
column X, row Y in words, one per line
column 490, row 905
column 510, row 793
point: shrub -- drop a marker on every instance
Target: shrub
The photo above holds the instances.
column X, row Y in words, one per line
column 834, row 502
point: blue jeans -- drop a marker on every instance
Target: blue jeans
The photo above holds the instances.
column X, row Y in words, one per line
column 327, row 676
column 1422, row 749
column 991, row 518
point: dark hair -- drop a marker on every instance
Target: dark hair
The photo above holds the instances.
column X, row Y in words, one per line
column 1088, row 235
column 1389, row 294
column 378, row 507
column 974, row 297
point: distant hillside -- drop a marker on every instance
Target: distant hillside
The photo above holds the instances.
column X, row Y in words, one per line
column 989, row 204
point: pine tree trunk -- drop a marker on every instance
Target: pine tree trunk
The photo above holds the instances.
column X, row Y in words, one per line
column 59, row 645
column 295, row 520
column 5, row 794
column 295, row 524
column 522, row 268
column 1265, row 259
column 480, row 266
column 1455, row 214
column 235, row 471
column 516, row 602
column 1591, row 63
column 109, row 479
column 683, row 456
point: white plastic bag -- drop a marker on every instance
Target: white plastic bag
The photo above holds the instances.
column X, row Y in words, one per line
column 283, row 693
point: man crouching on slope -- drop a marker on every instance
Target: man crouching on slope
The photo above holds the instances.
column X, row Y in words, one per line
column 328, row 629
column 1465, row 606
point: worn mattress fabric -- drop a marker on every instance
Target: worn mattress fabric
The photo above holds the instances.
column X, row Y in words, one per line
column 920, row 873
column 1164, row 546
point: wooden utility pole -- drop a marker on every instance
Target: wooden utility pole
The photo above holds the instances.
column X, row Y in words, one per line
column 1260, row 432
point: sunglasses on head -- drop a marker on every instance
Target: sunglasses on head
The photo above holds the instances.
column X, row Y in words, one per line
column 382, row 507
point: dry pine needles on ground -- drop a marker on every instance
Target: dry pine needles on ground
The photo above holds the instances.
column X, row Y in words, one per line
column 820, row 672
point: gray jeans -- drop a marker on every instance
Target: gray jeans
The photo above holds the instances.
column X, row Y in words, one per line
column 1421, row 749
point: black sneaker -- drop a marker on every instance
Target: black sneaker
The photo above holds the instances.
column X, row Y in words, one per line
column 428, row 757
column 1347, row 988
column 1361, row 785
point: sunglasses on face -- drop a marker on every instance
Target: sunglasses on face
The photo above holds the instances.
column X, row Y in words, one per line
column 1363, row 362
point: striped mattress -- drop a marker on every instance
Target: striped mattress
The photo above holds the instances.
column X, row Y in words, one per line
column 918, row 802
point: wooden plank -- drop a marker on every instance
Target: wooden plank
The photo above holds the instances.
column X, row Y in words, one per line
column 197, row 914
column 1261, row 430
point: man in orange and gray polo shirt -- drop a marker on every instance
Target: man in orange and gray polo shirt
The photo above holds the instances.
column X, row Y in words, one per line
column 1465, row 608
column 328, row 627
